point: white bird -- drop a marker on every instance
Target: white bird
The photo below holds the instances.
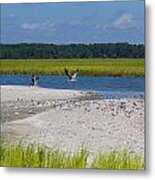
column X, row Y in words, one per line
column 72, row 77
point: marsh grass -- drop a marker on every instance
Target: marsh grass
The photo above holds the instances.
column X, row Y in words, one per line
column 90, row 67
column 121, row 160
column 39, row 156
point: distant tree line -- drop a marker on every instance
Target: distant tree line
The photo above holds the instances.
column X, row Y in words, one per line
column 53, row 51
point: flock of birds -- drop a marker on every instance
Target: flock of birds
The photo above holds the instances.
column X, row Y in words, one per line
column 71, row 77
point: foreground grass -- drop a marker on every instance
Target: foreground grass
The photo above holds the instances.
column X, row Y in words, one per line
column 39, row 156
column 90, row 67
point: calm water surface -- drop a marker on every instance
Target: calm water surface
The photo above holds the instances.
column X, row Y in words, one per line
column 121, row 86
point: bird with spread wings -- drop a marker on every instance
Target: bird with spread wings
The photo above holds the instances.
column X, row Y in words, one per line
column 71, row 77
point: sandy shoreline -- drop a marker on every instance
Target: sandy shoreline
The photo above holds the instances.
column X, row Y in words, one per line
column 69, row 119
column 18, row 102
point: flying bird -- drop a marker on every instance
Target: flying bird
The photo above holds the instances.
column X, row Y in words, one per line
column 71, row 77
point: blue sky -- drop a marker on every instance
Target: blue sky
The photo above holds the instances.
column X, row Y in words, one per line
column 77, row 22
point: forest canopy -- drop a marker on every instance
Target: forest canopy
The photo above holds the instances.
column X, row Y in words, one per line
column 69, row 51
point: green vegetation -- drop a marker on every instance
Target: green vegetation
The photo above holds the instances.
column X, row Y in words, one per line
column 123, row 159
column 38, row 156
column 71, row 51
column 90, row 67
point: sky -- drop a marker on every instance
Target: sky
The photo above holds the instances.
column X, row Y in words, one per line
column 73, row 22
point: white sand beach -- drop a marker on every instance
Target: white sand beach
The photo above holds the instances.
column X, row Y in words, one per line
column 69, row 119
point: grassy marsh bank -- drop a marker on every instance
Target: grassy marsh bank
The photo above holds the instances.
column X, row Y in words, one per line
column 40, row 156
column 89, row 67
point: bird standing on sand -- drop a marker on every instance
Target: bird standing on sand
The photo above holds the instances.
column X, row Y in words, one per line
column 34, row 80
column 72, row 77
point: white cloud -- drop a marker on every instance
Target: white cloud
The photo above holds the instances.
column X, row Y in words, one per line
column 11, row 15
column 38, row 26
column 51, row 25
column 76, row 23
column 30, row 26
column 125, row 21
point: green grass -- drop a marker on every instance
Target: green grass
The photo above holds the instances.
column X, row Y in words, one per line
column 39, row 156
column 90, row 67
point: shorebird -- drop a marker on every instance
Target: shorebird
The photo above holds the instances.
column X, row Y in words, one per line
column 71, row 77
column 34, row 80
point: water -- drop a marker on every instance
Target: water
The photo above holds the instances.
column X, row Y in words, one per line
column 117, row 86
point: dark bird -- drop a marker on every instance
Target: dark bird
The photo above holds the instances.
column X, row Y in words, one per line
column 34, row 80
column 72, row 77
